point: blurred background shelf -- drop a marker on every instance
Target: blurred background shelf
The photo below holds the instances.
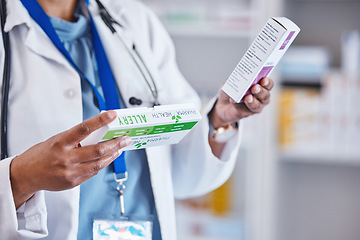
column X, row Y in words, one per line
column 206, row 31
column 298, row 171
column 199, row 224
column 321, row 157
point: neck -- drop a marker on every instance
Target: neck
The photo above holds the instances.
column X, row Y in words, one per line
column 63, row 9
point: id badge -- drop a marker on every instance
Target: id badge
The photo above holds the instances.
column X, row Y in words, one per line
column 122, row 228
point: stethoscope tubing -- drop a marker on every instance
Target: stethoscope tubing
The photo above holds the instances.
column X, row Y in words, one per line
column 110, row 22
column 152, row 88
column 5, row 83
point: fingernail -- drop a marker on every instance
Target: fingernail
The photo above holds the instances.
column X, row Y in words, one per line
column 266, row 82
column 251, row 99
column 257, row 90
column 111, row 114
column 126, row 141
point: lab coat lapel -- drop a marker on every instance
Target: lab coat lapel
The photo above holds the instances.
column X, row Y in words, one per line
column 39, row 43
column 159, row 160
column 35, row 38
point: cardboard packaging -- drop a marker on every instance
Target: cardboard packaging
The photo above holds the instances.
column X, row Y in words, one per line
column 149, row 127
column 262, row 56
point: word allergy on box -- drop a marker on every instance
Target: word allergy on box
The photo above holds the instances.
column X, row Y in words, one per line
column 262, row 56
column 149, row 127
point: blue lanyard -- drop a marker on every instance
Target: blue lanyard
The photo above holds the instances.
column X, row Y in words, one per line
column 107, row 81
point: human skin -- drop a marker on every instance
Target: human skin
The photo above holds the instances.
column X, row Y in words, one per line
column 60, row 162
column 226, row 111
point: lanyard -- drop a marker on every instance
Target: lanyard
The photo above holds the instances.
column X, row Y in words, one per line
column 107, row 81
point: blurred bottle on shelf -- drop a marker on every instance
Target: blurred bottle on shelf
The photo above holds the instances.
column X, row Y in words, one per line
column 220, row 200
column 350, row 57
column 217, row 202
column 299, row 118
column 318, row 116
column 203, row 15
column 302, row 70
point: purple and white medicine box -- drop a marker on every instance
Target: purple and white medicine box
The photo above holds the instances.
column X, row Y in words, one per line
column 262, row 56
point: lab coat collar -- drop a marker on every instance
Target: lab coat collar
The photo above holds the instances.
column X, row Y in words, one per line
column 16, row 15
column 35, row 39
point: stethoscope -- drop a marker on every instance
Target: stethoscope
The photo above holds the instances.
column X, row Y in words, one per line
column 110, row 22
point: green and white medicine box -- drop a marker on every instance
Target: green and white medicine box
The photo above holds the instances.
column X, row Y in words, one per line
column 149, row 127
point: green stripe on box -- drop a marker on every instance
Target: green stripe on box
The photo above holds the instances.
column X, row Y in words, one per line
column 151, row 130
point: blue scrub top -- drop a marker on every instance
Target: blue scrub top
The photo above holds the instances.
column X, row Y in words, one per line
column 98, row 195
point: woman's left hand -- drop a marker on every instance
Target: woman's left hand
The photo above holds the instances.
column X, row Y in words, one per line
column 226, row 111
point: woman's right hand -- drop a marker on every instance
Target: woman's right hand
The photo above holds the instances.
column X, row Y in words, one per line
column 60, row 163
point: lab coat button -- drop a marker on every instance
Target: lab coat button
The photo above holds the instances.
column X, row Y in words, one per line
column 70, row 93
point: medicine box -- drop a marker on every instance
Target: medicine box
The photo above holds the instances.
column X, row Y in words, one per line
column 262, row 56
column 149, row 127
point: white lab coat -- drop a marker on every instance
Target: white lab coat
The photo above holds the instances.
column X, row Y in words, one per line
column 45, row 99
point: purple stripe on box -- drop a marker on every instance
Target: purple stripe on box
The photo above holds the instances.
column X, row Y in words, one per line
column 287, row 40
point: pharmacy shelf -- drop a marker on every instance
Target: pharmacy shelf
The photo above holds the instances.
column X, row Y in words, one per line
column 213, row 28
column 197, row 224
column 191, row 23
column 208, row 32
column 322, row 157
